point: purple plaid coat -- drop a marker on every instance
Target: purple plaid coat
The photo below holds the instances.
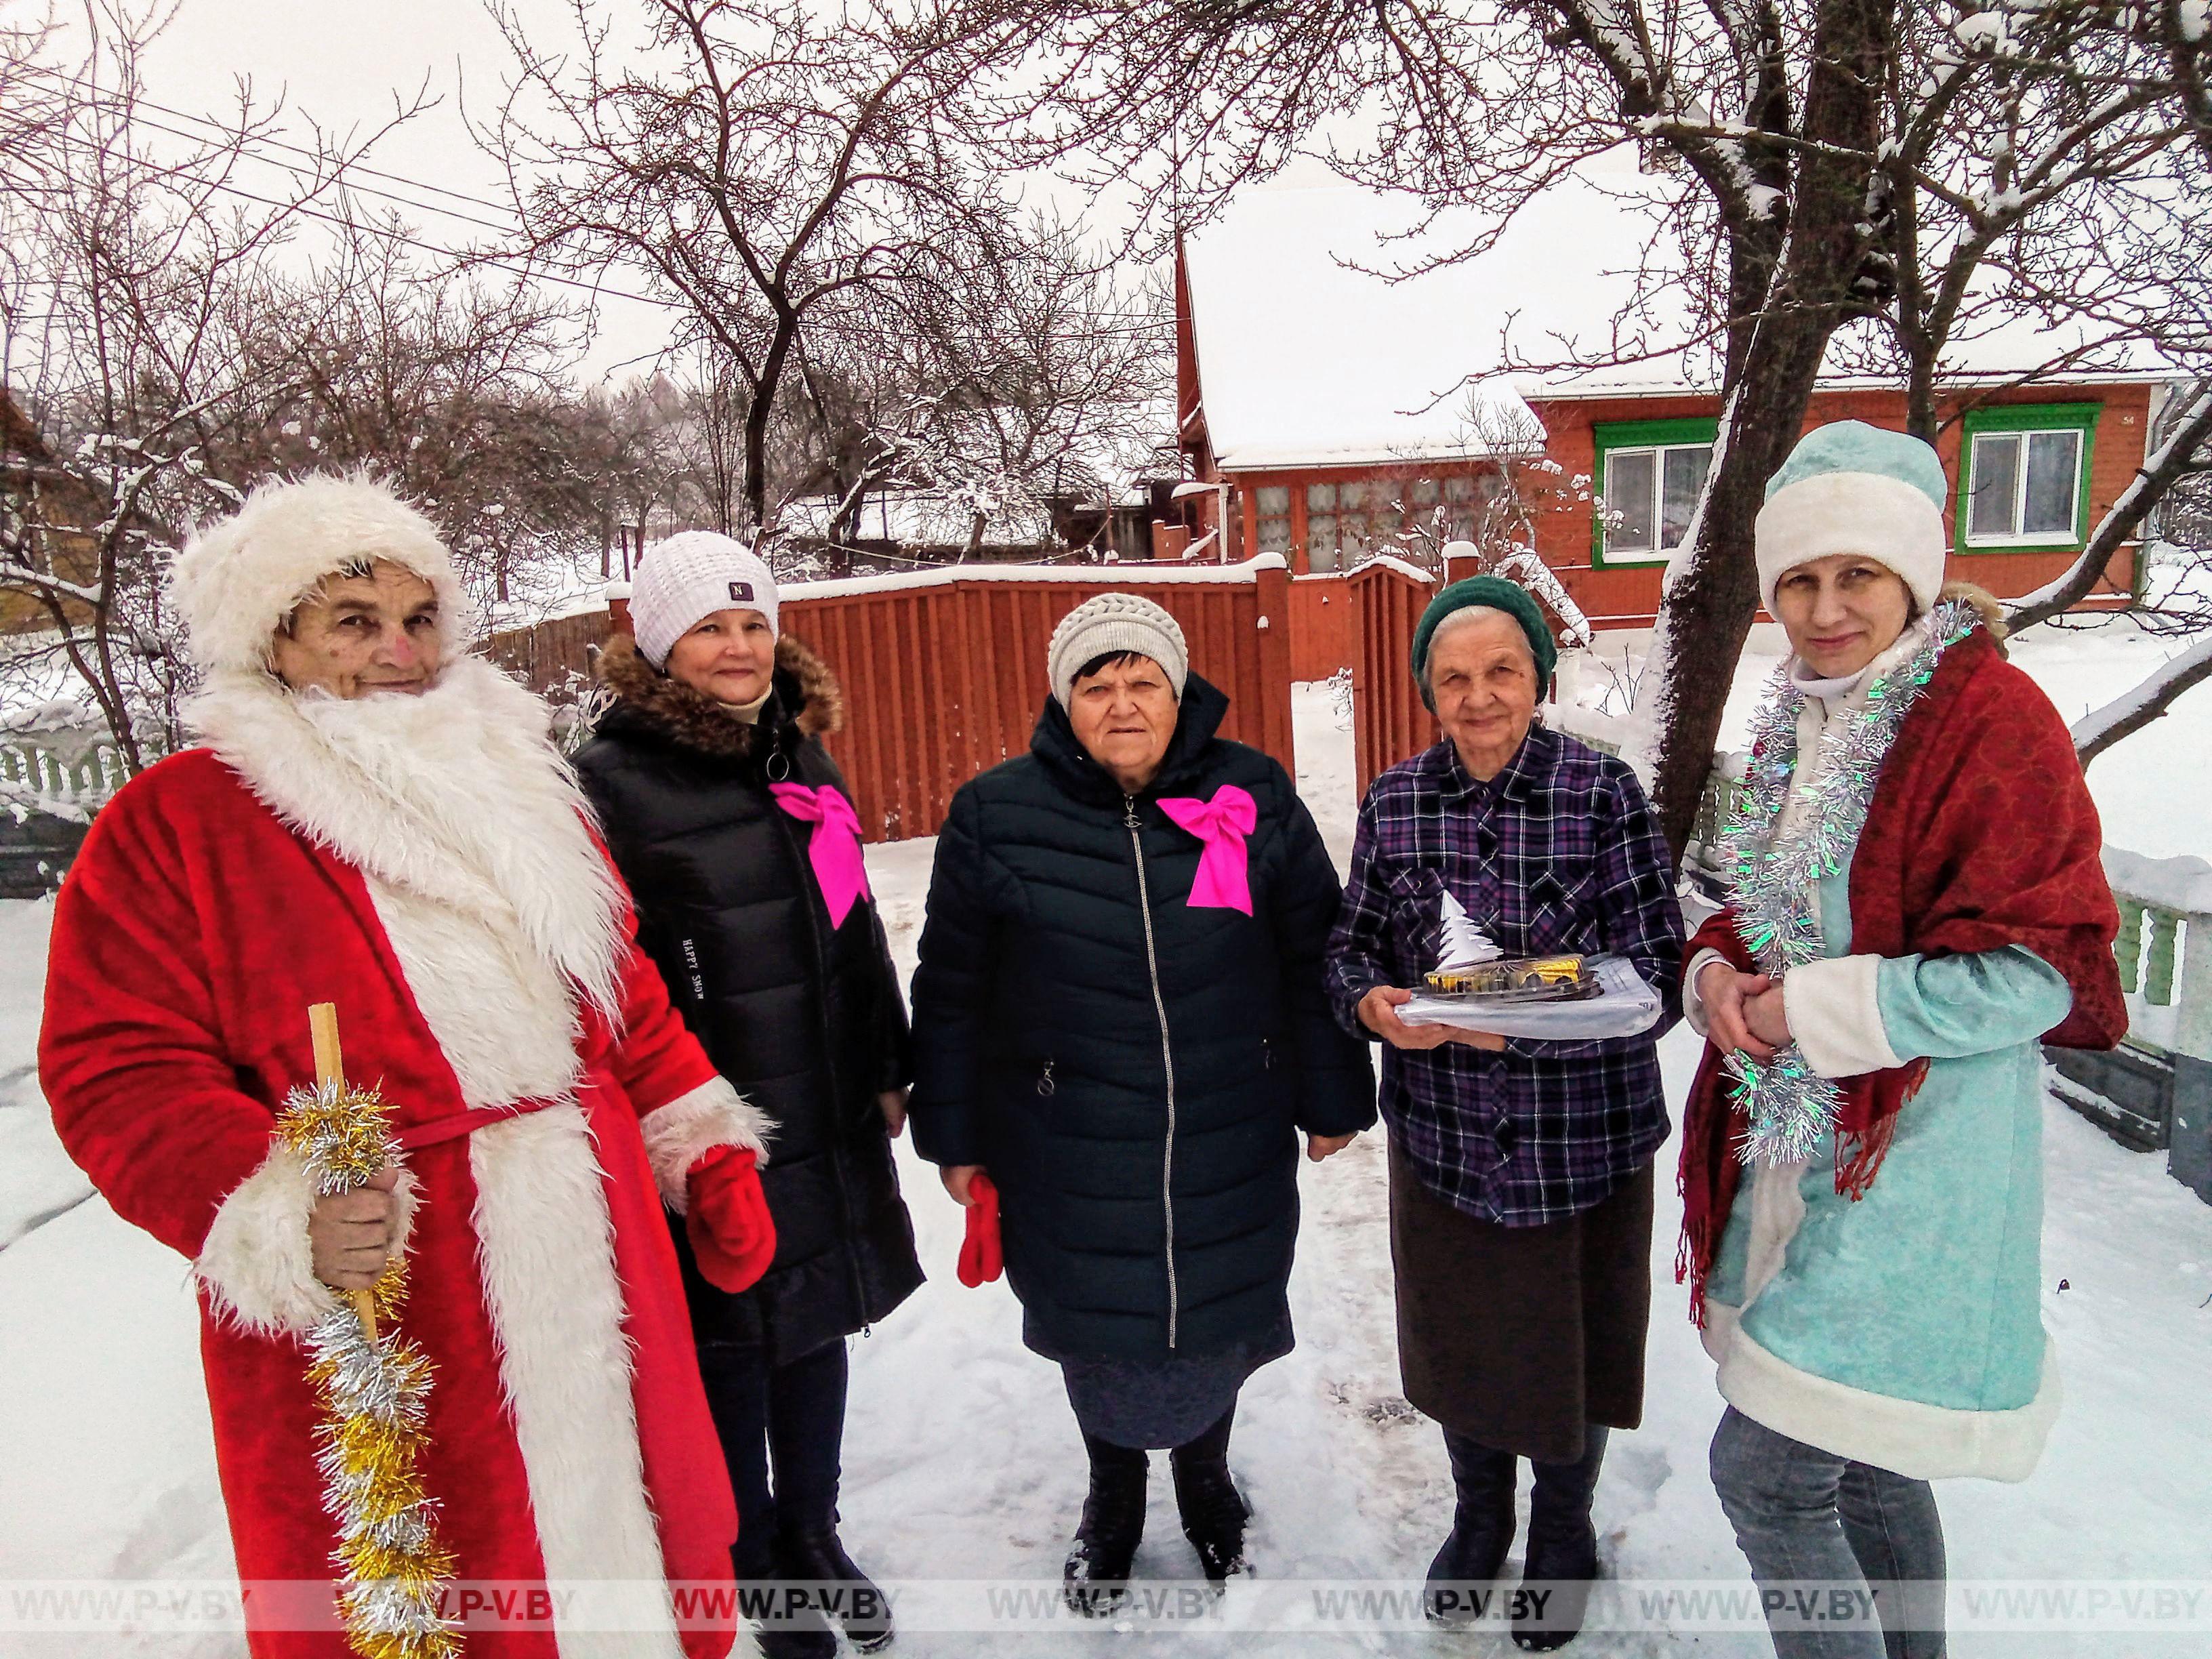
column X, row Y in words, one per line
column 1558, row 852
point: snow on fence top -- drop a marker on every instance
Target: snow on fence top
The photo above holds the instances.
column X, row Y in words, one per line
column 1386, row 561
column 1108, row 575
column 2181, row 885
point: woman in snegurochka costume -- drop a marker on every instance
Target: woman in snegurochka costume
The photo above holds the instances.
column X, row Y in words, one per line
column 1918, row 900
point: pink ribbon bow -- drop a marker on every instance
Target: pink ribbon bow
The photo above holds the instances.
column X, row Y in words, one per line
column 1224, row 879
column 834, row 848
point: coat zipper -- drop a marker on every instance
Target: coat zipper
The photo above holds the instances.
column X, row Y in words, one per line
column 1135, row 826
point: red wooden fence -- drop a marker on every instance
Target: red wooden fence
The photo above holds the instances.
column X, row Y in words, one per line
column 945, row 673
column 1389, row 722
column 944, row 676
column 553, row 654
column 1321, row 627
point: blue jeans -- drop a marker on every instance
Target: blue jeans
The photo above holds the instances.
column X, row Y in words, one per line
column 1834, row 1546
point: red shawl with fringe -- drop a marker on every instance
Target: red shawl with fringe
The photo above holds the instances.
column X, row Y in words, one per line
column 1981, row 835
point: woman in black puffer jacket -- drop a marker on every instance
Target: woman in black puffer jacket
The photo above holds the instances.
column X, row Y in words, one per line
column 1120, row 1017
column 796, row 1002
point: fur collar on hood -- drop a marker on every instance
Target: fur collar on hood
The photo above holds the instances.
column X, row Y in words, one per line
column 808, row 692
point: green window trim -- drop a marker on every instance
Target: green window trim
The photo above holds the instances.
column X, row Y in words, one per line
column 1609, row 436
column 2025, row 417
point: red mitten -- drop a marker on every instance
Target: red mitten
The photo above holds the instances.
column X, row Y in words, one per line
column 980, row 1257
column 733, row 1234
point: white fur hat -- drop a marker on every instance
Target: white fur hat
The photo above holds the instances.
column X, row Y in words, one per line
column 237, row 580
column 693, row 574
column 1108, row 622
column 1851, row 488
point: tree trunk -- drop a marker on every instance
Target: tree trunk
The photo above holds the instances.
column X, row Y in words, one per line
column 760, row 404
column 1709, row 604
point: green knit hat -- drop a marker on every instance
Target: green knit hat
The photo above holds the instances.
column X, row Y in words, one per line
column 1499, row 594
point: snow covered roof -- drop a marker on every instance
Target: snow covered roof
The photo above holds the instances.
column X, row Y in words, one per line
column 1308, row 356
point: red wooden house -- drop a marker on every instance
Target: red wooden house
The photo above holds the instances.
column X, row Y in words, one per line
column 1338, row 406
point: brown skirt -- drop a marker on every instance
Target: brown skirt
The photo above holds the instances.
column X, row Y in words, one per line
column 1518, row 1337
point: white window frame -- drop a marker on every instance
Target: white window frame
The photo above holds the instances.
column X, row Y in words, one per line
column 1658, row 453
column 2018, row 538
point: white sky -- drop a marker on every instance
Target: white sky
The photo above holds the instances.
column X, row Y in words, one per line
column 343, row 63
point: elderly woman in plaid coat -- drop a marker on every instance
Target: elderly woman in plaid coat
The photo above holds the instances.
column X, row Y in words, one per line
column 1521, row 1185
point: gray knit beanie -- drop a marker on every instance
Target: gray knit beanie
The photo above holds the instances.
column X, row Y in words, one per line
column 1115, row 621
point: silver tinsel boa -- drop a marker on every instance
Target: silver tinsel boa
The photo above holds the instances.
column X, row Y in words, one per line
column 1771, row 878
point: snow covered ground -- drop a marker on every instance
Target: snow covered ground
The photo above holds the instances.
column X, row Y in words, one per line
column 2154, row 792
column 962, row 1460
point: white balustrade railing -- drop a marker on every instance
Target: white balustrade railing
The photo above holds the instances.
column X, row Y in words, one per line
column 69, row 772
column 2165, row 949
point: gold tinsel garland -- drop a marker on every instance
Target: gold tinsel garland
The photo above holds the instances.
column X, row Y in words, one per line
column 374, row 1390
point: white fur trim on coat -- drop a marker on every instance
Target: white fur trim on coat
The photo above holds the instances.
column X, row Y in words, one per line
column 257, row 1261
column 256, row 1264
column 545, row 1244
column 1869, row 514
column 457, row 796
column 237, row 580
column 1835, row 1015
column 712, row 1114
column 1908, row 1436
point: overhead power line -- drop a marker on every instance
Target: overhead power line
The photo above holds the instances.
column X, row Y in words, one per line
column 210, row 122
column 244, row 145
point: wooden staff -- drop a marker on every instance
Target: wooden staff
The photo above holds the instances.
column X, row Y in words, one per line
column 329, row 1071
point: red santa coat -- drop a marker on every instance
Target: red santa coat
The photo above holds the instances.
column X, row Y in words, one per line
column 568, row 1436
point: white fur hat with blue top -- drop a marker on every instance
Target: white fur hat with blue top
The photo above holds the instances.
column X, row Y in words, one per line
column 1851, row 488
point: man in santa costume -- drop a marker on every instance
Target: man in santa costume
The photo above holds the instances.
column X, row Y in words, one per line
column 377, row 820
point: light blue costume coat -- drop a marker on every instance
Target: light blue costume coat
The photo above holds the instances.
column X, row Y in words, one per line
column 1904, row 1330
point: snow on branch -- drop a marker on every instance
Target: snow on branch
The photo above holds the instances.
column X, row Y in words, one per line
column 1538, row 578
column 39, row 581
column 2100, row 729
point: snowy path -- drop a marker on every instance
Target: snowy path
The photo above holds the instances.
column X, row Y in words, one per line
column 962, row 1460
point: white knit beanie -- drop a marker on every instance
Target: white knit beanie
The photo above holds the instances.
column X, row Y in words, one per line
column 1115, row 621
column 690, row 576
column 237, row 580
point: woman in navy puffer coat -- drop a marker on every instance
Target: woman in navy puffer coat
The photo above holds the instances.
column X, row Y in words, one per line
column 1120, row 1017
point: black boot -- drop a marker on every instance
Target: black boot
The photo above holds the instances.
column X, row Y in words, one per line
column 1213, row 1511
column 1466, row 1568
column 790, row 1627
column 865, row 1610
column 1562, row 1550
column 1097, row 1574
